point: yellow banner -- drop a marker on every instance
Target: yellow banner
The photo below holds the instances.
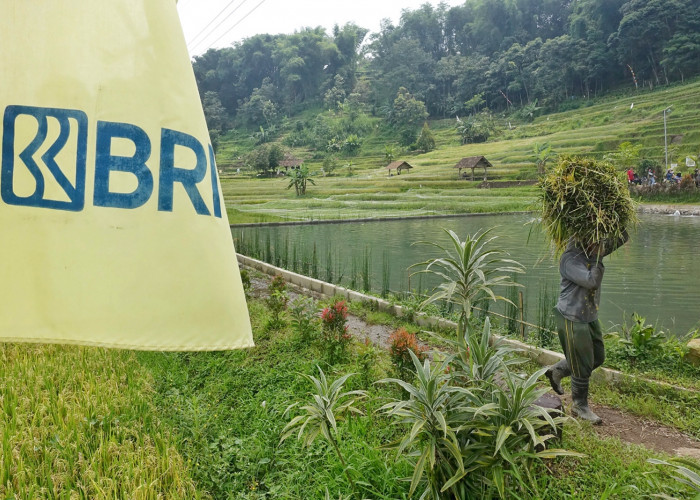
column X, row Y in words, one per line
column 114, row 229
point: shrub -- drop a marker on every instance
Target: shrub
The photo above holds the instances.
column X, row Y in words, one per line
column 303, row 319
column 276, row 301
column 426, row 139
column 477, row 440
column 687, row 183
column 641, row 339
column 335, row 336
column 369, row 361
column 401, row 342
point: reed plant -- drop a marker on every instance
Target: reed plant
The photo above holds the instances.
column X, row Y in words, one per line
column 512, row 309
column 267, row 251
column 366, row 270
column 386, row 275
column 314, row 262
column 546, row 301
column 328, row 265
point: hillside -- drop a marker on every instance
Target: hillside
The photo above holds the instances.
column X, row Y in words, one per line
column 363, row 188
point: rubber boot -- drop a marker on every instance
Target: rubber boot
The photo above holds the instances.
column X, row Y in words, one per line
column 557, row 372
column 579, row 394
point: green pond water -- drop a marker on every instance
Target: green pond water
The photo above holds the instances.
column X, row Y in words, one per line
column 657, row 274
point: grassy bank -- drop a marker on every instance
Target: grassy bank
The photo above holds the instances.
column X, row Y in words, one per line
column 229, row 410
column 94, row 423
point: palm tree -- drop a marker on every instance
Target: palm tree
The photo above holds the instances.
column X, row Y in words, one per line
column 468, row 271
column 298, row 178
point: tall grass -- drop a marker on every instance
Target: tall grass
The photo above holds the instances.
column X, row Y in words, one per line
column 546, row 301
column 386, row 274
column 79, row 423
column 366, row 267
column 512, row 309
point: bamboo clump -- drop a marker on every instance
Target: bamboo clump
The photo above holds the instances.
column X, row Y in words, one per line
column 585, row 200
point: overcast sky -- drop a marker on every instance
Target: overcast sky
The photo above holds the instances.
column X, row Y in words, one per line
column 239, row 19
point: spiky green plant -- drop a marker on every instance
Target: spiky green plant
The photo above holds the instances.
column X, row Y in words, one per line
column 480, row 357
column 321, row 415
column 467, row 270
column 683, row 471
column 434, row 412
column 474, row 426
column 585, row 200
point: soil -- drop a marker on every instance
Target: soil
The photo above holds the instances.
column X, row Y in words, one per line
column 617, row 424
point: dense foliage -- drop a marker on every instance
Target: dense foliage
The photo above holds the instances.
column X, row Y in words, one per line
column 494, row 54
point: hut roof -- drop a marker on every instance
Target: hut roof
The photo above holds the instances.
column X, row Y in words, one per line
column 398, row 164
column 290, row 160
column 473, row 161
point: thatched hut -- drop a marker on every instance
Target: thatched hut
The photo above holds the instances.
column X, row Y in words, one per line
column 290, row 161
column 472, row 162
column 398, row 166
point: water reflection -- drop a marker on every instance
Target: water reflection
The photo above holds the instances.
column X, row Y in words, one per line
column 656, row 274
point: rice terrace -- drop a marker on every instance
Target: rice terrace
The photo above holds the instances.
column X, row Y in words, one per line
column 468, row 250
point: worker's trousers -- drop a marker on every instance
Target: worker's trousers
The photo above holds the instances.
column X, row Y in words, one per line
column 582, row 344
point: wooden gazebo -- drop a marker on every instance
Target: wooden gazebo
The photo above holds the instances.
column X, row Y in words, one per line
column 290, row 161
column 473, row 162
column 398, row 166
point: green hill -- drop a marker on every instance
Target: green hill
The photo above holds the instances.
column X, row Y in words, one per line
column 361, row 187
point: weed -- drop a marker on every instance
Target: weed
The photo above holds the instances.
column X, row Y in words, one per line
column 304, row 320
column 277, row 301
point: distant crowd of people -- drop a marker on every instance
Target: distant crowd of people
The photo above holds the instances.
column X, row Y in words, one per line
column 671, row 177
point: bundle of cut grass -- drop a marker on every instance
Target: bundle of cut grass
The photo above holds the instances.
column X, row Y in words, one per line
column 586, row 200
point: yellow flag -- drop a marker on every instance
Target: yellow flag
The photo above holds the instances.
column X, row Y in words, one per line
column 114, row 230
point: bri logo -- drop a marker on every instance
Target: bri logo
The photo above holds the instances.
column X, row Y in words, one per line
column 54, row 164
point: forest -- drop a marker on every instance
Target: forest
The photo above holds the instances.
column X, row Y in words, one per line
column 485, row 56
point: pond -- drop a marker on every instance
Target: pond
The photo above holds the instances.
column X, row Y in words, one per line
column 657, row 274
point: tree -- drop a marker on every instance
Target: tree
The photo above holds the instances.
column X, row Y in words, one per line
column 265, row 158
column 477, row 128
column 426, row 139
column 335, row 96
column 299, row 178
column 406, row 114
column 214, row 112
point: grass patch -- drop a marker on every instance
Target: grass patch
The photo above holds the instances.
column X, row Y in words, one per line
column 227, row 411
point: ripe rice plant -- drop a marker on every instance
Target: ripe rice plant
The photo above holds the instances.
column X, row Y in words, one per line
column 585, row 200
column 79, row 422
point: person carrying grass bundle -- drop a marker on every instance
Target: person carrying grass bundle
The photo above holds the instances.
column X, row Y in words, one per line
column 586, row 210
column 579, row 329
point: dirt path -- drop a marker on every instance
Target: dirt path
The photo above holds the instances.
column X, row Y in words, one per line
column 624, row 426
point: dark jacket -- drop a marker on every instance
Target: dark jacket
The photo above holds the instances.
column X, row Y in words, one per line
column 581, row 277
